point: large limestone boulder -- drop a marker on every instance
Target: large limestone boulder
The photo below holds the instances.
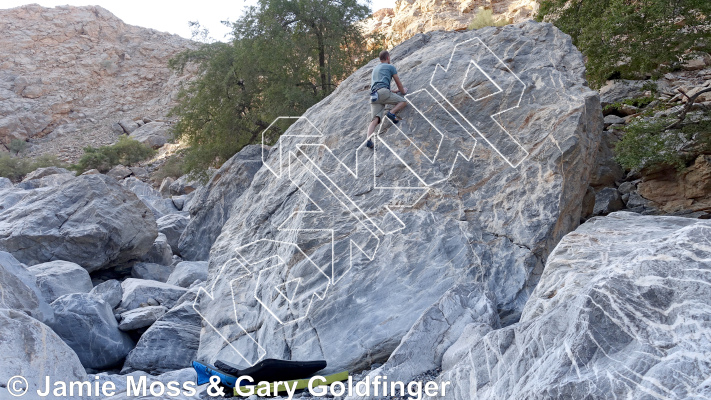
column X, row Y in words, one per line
column 617, row 314
column 150, row 197
column 139, row 291
column 170, row 343
column 152, row 134
column 213, row 203
column 318, row 258
column 57, row 278
column 32, row 350
column 90, row 220
column 19, row 291
column 87, row 324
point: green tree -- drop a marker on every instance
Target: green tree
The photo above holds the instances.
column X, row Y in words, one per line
column 285, row 56
column 631, row 38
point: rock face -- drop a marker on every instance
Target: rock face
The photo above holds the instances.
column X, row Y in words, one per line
column 87, row 324
column 214, row 202
column 674, row 191
column 57, row 278
column 90, row 220
column 488, row 222
column 30, row 349
column 619, row 295
column 64, row 84
column 170, row 343
column 410, row 17
column 139, row 291
column 18, row 290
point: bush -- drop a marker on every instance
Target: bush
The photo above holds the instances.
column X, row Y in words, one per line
column 125, row 152
column 17, row 146
column 173, row 167
column 647, row 145
column 485, row 17
column 15, row 168
column 631, row 39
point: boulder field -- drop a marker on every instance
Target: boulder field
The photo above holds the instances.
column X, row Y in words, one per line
column 453, row 251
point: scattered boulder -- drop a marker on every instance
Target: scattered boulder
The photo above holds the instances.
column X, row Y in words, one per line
column 138, row 291
column 173, row 226
column 160, row 252
column 141, row 317
column 171, row 343
column 87, row 324
column 183, row 185
column 214, row 202
column 32, row 350
column 613, row 119
column 110, row 291
column 42, row 172
column 150, row 197
column 90, row 220
column 179, row 201
column 139, row 172
column 152, row 134
column 18, row 290
column 92, row 171
column 188, row 272
column 151, row 271
column 57, row 278
column 617, row 90
column 128, row 125
column 626, row 188
column 119, row 172
column 607, row 200
column 5, row 183
column 619, row 295
column 164, row 189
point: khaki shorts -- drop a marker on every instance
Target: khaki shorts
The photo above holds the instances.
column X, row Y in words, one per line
column 385, row 96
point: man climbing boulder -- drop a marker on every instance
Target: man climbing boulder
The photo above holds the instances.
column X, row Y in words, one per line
column 380, row 94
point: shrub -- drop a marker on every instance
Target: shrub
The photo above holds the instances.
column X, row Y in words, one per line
column 485, row 17
column 646, row 144
column 15, row 168
column 173, row 167
column 17, row 146
column 631, row 39
column 125, row 152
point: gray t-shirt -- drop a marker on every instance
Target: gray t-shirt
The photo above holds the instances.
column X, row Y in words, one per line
column 382, row 74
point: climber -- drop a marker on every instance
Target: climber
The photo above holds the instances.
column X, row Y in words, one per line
column 380, row 94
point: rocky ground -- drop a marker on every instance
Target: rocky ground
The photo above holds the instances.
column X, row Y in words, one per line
column 410, row 17
column 487, row 279
column 69, row 75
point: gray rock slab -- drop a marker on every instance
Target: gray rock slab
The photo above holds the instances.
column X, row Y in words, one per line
column 109, row 291
column 141, row 317
column 488, row 222
column 212, row 204
column 173, row 226
column 57, row 278
column 32, row 350
column 87, row 324
column 138, row 291
column 621, row 295
column 188, row 272
column 90, row 220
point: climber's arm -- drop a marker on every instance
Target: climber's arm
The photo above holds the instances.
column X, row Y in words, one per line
column 400, row 88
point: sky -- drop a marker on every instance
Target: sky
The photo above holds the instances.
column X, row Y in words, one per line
column 170, row 15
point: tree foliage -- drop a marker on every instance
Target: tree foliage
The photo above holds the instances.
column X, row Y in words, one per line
column 126, row 152
column 285, row 56
column 631, row 38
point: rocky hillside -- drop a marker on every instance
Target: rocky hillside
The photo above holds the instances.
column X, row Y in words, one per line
column 453, row 251
column 410, row 17
column 68, row 75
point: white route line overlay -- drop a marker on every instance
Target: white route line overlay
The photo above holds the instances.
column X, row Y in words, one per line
column 281, row 288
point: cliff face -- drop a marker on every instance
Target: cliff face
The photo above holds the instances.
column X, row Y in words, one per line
column 410, row 17
column 69, row 73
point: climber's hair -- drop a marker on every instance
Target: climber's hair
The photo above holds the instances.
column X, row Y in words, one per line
column 384, row 55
